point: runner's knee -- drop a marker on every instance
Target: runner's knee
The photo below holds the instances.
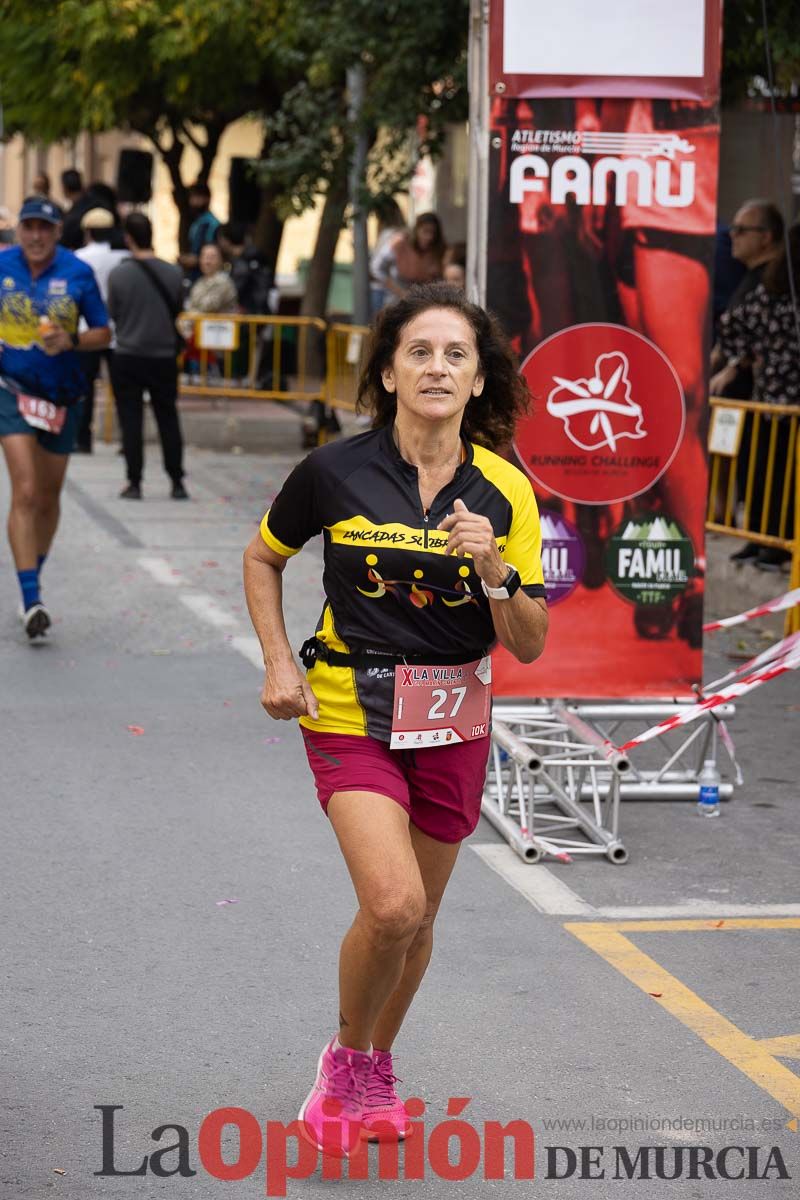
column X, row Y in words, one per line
column 23, row 495
column 395, row 916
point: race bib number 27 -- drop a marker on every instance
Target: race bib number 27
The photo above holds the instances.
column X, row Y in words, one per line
column 437, row 705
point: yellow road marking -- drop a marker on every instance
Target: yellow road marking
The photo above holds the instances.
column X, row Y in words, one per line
column 751, row 1056
column 782, row 1047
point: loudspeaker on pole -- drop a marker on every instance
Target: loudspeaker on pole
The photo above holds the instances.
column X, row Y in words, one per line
column 134, row 176
column 243, row 192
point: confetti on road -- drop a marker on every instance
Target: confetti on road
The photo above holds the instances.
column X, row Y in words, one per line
column 270, row 741
column 136, row 730
column 233, row 900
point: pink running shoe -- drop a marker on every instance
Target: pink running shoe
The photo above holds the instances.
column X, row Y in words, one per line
column 385, row 1117
column 331, row 1113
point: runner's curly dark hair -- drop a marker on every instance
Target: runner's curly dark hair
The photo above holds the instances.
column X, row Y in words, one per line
column 489, row 419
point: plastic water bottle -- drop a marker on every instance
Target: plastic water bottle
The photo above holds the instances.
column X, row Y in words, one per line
column 708, row 799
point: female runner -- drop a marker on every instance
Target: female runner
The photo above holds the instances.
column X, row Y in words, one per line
column 432, row 554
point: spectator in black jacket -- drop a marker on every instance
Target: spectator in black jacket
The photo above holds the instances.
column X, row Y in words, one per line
column 251, row 275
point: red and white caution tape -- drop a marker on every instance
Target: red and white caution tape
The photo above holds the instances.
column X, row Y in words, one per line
column 789, row 662
column 780, row 604
column 773, row 653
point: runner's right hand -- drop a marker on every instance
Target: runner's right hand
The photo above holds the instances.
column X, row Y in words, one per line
column 288, row 694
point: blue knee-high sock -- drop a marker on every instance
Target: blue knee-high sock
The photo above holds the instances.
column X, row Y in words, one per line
column 40, row 563
column 29, row 586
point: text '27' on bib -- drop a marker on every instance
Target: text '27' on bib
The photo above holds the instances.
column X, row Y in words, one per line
column 437, row 705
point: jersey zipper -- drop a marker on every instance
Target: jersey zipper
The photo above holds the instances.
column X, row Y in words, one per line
column 425, row 515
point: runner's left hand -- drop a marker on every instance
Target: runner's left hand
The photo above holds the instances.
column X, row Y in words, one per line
column 56, row 341
column 470, row 533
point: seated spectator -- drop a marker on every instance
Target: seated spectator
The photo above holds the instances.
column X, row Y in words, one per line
column 455, row 266
column 410, row 258
column 214, row 291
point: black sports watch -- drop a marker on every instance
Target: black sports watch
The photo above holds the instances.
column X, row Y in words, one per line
column 509, row 586
column 75, row 339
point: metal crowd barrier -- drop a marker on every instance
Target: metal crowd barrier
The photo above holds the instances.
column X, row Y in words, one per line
column 300, row 361
column 253, row 357
column 754, row 454
column 348, row 346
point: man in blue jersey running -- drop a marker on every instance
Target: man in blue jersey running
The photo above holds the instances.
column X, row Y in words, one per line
column 44, row 290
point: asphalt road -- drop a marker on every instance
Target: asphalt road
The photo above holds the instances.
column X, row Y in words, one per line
column 143, row 786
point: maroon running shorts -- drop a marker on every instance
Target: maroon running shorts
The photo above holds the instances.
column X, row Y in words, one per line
column 440, row 787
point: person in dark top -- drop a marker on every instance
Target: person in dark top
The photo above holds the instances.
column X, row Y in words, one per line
column 432, row 552
column 763, row 329
column 756, row 233
column 79, row 203
column 252, row 277
column 144, row 300
column 202, row 230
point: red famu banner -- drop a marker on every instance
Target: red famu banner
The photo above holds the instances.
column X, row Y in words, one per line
column 601, row 224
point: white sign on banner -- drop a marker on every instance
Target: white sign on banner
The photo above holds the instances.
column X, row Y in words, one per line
column 217, row 335
column 725, row 434
column 645, row 38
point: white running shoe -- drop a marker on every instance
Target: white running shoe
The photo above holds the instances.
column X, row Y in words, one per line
column 36, row 621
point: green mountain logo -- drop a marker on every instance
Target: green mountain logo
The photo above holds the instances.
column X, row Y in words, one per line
column 652, row 531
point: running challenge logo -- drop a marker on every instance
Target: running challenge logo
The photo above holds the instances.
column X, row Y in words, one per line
column 598, row 411
column 647, row 169
column 610, row 414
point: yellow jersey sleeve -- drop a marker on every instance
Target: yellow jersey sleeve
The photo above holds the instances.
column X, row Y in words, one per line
column 524, row 543
column 292, row 518
column 274, row 542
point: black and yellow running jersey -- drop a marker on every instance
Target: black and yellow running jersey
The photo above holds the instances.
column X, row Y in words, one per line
column 389, row 582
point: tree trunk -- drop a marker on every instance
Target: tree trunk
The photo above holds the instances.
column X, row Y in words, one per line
column 172, row 157
column 320, row 270
column 269, row 228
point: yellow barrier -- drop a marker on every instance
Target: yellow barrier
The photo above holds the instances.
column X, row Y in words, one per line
column 756, row 435
column 348, row 347
column 240, row 353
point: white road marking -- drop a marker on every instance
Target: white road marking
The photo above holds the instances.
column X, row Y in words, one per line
column 208, row 610
column 161, row 571
column 250, row 647
column 549, row 894
column 543, row 890
column 696, row 908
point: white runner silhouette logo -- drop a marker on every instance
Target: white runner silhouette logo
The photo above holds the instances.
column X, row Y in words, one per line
column 597, row 412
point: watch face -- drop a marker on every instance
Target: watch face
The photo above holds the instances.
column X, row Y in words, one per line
column 512, row 581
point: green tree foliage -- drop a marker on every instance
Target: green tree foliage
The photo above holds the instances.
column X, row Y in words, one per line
column 744, row 62
column 177, row 71
column 413, row 54
column 414, row 57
